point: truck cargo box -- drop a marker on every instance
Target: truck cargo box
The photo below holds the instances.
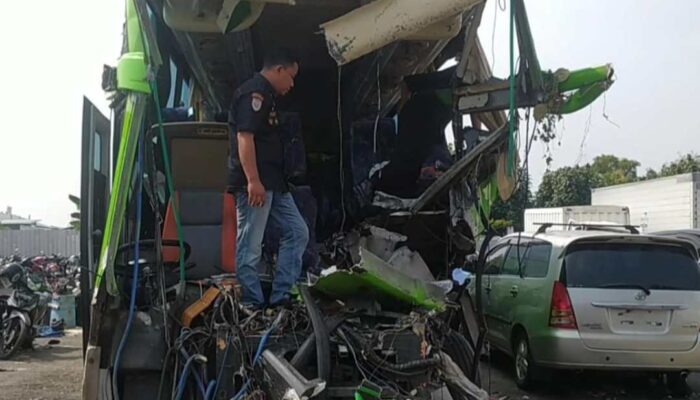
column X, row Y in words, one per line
column 534, row 217
column 658, row 204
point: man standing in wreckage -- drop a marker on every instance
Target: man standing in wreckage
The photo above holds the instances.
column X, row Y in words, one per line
column 257, row 178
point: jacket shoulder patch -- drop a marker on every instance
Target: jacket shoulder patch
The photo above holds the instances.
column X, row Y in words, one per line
column 256, row 102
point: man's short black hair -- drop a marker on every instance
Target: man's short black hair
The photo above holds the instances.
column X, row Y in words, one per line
column 279, row 56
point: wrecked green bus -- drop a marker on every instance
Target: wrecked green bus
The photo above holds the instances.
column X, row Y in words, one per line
column 392, row 209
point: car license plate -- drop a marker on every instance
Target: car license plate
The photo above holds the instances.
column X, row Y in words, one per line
column 639, row 321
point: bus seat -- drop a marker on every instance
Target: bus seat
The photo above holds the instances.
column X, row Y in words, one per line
column 198, row 154
column 208, row 222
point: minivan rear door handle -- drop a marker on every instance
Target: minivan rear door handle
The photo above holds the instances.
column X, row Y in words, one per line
column 514, row 290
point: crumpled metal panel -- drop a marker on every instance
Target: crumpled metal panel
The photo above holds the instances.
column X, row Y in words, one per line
column 381, row 242
column 456, row 379
column 411, row 263
column 461, row 168
column 391, row 202
column 376, row 278
column 212, row 16
column 381, row 22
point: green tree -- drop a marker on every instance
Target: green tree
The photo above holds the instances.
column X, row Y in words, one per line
column 683, row 165
column 75, row 216
column 568, row 186
column 608, row 170
column 571, row 186
column 686, row 164
column 650, row 174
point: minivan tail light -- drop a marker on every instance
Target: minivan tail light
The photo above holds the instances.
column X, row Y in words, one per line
column 562, row 314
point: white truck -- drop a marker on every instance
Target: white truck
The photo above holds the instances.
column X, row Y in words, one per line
column 560, row 216
column 669, row 203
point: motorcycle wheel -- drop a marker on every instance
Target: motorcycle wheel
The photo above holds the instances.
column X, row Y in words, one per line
column 13, row 333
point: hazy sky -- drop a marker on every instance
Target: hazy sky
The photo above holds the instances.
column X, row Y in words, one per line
column 53, row 55
column 654, row 47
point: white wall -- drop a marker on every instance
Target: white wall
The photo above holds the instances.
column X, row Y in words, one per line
column 36, row 241
column 655, row 205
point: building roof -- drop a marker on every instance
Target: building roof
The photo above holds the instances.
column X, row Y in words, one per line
column 7, row 217
column 690, row 176
column 19, row 222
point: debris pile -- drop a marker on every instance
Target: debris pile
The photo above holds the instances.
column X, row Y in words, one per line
column 375, row 325
column 340, row 349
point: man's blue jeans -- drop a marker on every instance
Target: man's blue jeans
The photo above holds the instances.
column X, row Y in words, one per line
column 280, row 207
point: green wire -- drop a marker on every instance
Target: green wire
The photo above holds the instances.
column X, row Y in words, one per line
column 511, row 92
column 141, row 40
column 171, row 185
column 364, row 390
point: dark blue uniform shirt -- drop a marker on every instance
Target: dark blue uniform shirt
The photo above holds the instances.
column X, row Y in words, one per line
column 253, row 110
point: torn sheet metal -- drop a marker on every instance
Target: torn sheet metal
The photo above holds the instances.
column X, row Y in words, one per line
column 461, row 201
column 461, row 168
column 375, row 277
column 445, row 29
column 286, row 382
column 382, row 242
column 411, row 263
column 214, row 16
column 471, row 25
column 456, row 379
column 391, row 202
column 381, row 22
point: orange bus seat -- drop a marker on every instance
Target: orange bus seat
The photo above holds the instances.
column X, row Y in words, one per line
column 208, row 222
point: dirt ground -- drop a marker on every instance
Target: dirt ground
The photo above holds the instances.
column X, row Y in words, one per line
column 53, row 372
column 49, row 372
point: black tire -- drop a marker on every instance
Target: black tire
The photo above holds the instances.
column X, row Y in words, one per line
column 676, row 384
column 462, row 353
column 524, row 366
column 28, row 342
column 13, row 333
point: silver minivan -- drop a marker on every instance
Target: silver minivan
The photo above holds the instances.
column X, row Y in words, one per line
column 594, row 300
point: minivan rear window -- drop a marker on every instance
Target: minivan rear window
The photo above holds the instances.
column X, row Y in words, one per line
column 620, row 265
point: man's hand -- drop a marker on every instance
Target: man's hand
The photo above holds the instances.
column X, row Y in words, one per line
column 256, row 194
column 246, row 152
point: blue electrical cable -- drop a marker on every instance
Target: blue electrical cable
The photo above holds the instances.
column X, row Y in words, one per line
column 200, row 384
column 242, row 392
column 258, row 354
column 183, row 377
column 135, row 271
column 262, row 345
column 211, row 389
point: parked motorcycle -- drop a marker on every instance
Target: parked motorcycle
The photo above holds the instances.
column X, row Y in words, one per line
column 13, row 329
column 55, row 274
column 19, row 311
